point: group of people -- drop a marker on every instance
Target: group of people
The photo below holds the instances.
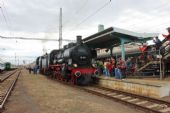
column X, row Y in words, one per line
column 118, row 69
column 35, row 69
column 159, row 45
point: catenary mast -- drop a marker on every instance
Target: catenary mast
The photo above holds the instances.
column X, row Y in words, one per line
column 60, row 29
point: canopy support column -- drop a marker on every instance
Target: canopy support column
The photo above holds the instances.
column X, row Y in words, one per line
column 123, row 48
column 111, row 51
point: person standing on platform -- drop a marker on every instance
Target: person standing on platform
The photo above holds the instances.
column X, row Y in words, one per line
column 108, row 66
column 29, row 68
column 38, row 70
column 167, row 41
column 118, row 73
column 129, row 66
column 106, row 70
column 112, row 67
column 100, row 67
column 167, row 37
column 123, row 68
column 141, row 60
column 35, row 69
column 157, row 42
column 134, row 65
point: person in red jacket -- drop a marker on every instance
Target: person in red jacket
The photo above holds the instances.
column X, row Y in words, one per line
column 106, row 69
column 111, row 66
column 168, row 36
column 108, row 66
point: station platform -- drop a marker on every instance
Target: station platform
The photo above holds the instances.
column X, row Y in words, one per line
column 147, row 87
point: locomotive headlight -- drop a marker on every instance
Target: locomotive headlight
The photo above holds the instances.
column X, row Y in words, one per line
column 94, row 65
column 78, row 73
column 74, row 65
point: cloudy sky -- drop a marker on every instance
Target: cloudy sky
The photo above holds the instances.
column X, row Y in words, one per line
column 40, row 19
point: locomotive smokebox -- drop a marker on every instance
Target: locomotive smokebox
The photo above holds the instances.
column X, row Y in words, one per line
column 79, row 39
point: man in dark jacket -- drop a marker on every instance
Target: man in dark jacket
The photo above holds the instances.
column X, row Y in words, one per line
column 157, row 42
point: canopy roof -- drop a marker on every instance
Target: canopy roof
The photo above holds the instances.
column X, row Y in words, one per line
column 112, row 37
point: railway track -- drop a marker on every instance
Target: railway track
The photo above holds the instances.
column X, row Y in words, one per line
column 147, row 104
column 143, row 103
column 6, row 87
column 6, row 75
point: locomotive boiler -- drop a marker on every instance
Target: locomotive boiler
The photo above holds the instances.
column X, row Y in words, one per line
column 74, row 63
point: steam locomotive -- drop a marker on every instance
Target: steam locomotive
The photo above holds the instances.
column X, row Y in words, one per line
column 74, row 63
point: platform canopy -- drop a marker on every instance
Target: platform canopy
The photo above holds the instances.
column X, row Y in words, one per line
column 113, row 36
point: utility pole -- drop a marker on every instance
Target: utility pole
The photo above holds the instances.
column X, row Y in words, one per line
column 60, row 29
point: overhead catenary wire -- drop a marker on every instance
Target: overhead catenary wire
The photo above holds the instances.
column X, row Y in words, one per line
column 5, row 10
column 159, row 25
column 153, row 9
column 24, row 38
column 148, row 20
column 91, row 15
column 76, row 12
column 5, row 56
column 4, row 7
column 152, row 27
column 151, row 19
column 4, row 16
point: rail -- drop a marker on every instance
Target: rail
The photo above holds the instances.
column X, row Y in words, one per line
column 7, row 76
column 141, row 102
column 5, row 97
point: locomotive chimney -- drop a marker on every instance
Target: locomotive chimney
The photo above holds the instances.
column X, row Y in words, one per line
column 79, row 39
column 100, row 28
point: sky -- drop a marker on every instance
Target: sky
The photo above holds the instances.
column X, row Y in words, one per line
column 40, row 19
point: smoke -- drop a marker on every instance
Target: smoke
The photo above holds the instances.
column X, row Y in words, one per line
column 51, row 33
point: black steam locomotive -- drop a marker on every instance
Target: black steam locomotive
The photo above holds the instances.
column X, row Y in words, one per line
column 74, row 63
